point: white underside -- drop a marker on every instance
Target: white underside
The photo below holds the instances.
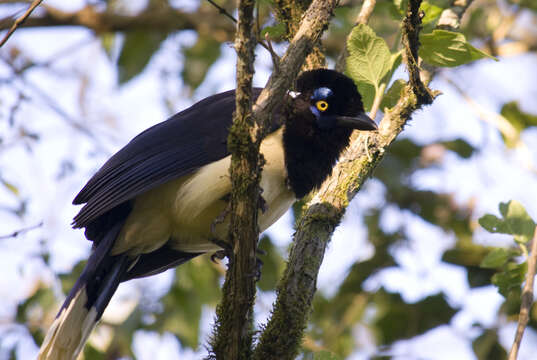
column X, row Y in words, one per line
column 183, row 210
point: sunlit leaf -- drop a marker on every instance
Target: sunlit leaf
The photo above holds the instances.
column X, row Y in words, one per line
column 518, row 118
column 432, row 12
column 498, row 258
column 369, row 58
column 449, row 49
column 516, row 221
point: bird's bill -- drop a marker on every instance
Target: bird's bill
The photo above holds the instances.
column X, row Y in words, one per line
column 360, row 122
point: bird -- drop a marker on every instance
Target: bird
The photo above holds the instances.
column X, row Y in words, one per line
column 152, row 206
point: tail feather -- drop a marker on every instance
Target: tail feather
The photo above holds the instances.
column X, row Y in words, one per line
column 86, row 302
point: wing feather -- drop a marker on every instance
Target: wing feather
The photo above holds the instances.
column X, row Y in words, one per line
column 171, row 149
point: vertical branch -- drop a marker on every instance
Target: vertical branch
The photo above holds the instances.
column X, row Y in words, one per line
column 234, row 333
column 283, row 333
column 527, row 299
column 410, row 39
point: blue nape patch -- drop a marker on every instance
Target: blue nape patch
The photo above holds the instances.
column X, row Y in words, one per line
column 322, row 93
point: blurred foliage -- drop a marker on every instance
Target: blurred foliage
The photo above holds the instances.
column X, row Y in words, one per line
column 339, row 321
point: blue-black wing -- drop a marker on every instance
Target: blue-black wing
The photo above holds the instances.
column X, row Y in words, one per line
column 171, row 149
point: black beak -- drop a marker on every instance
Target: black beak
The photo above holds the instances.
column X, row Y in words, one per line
column 360, row 122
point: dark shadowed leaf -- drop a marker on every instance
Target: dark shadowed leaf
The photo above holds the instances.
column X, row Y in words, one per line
column 392, row 95
column 399, row 320
column 198, row 60
column 273, row 265
column 137, row 50
column 487, row 347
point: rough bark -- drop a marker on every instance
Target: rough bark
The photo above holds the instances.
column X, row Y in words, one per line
column 233, row 333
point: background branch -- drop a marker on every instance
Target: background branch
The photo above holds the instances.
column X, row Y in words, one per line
column 527, row 299
column 19, row 21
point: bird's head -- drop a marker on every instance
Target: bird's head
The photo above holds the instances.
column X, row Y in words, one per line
column 332, row 99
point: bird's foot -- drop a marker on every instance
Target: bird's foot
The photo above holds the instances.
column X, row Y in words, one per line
column 227, row 250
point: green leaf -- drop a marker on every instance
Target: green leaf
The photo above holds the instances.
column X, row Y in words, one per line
column 516, row 221
column 368, row 94
column 273, row 265
column 137, row 50
column 274, row 31
column 432, row 12
column 519, row 119
column 108, row 40
column 511, row 278
column 460, row 147
column 392, row 95
column 446, row 48
column 369, row 58
column 198, row 60
column 498, row 258
column 326, row 355
column 487, row 346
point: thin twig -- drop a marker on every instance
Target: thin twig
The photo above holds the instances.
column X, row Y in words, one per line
column 222, row 11
column 16, row 233
column 527, row 299
column 19, row 21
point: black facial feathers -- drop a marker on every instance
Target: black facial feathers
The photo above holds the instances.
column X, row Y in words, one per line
column 311, row 150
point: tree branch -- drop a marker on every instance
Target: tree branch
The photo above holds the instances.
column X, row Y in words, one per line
column 157, row 19
column 16, row 233
column 527, row 299
column 233, row 335
column 323, row 214
column 19, row 21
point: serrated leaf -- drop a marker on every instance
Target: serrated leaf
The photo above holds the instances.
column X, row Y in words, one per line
column 137, row 50
column 392, row 95
column 498, row 258
column 516, row 221
column 449, row 49
column 369, row 58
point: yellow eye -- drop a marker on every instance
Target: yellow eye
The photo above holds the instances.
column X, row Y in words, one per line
column 321, row 105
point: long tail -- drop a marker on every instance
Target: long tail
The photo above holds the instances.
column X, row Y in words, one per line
column 86, row 302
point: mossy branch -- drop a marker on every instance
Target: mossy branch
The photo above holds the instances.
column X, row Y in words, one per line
column 234, row 328
column 283, row 333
